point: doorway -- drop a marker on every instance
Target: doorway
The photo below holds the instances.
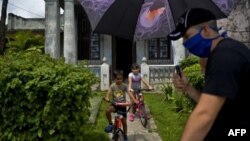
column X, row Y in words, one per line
column 123, row 55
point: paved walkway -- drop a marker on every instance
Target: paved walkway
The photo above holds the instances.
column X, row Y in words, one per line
column 136, row 132
column 95, row 104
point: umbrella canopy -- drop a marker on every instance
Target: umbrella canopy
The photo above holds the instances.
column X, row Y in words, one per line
column 146, row 19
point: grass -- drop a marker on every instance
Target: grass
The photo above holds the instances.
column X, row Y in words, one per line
column 95, row 132
column 169, row 123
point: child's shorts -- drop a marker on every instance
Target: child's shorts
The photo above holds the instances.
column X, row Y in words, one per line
column 122, row 110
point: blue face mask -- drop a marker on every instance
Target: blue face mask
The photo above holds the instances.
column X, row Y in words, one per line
column 198, row 45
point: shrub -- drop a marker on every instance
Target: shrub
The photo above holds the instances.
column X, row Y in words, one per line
column 25, row 41
column 194, row 75
column 167, row 90
column 183, row 103
column 189, row 61
column 42, row 98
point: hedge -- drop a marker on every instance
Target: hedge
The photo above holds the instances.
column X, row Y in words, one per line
column 42, row 98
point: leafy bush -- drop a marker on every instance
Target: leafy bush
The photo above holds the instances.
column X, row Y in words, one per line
column 25, row 41
column 42, row 98
column 184, row 104
column 167, row 90
column 189, row 61
column 195, row 76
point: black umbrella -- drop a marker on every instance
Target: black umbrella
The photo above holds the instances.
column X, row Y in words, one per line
column 145, row 19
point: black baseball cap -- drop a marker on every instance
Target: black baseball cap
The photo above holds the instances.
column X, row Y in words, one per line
column 189, row 18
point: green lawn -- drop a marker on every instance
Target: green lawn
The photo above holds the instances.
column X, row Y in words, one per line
column 169, row 123
column 95, row 132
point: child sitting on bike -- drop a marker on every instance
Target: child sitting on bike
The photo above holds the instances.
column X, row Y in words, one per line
column 134, row 83
column 118, row 92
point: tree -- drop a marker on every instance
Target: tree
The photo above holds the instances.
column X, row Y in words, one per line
column 2, row 25
column 24, row 41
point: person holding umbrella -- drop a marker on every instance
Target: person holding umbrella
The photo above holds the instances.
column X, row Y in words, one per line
column 222, row 105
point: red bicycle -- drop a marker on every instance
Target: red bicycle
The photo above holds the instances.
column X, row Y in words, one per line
column 140, row 108
column 118, row 132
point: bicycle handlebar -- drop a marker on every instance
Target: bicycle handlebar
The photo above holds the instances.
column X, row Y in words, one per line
column 120, row 104
column 140, row 90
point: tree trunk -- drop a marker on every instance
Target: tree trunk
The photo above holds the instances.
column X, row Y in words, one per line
column 2, row 26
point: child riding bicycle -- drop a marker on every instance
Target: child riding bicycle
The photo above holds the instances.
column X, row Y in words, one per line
column 118, row 92
column 134, row 83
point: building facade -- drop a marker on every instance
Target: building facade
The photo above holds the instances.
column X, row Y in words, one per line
column 79, row 43
column 69, row 36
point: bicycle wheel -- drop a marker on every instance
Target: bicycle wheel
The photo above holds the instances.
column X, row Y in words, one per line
column 143, row 115
column 118, row 136
column 118, row 132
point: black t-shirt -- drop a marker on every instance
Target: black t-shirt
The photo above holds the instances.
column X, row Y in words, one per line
column 228, row 75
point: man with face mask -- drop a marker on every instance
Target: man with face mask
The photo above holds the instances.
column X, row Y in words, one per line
column 222, row 105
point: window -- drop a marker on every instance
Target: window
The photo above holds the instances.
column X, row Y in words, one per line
column 94, row 47
column 88, row 42
column 159, row 51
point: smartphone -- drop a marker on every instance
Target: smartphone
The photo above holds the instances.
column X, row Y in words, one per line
column 178, row 70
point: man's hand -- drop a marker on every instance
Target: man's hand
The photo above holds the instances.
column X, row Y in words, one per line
column 180, row 83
